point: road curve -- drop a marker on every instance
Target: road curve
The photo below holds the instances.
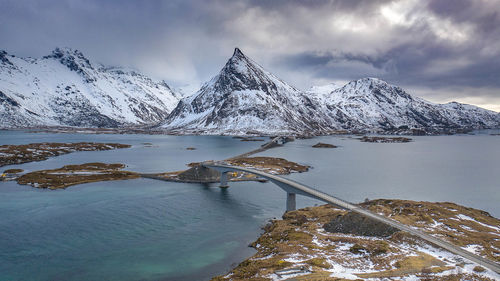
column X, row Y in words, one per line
column 354, row 208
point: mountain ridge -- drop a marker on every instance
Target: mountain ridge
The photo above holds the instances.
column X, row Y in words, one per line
column 65, row 88
column 366, row 104
column 243, row 97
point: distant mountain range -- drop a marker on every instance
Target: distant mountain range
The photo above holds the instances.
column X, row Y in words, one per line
column 246, row 99
column 66, row 89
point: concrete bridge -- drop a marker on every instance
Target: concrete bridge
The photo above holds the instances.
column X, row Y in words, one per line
column 292, row 188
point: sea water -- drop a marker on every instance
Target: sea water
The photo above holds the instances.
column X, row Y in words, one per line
column 146, row 229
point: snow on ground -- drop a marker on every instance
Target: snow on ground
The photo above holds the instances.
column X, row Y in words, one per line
column 464, row 217
column 340, row 271
column 353, row 264
column 475, row 249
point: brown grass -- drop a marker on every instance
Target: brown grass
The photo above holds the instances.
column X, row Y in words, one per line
column 454, row 230
column 274, row 165
column 24, row 153
column 13, row 171
column 410, row 265
column 294, row 236
column 76, row 174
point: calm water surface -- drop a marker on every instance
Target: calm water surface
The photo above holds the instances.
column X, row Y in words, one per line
column 151, row 230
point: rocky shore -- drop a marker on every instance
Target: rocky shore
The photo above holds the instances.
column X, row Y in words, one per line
column 324, row 145
column 93, row 172
column 385, row 139
column 76, row 174
column 24, row 153
column 199, row 174
column 325, row 243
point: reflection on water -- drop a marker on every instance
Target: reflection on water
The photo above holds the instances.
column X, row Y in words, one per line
column 152, row 230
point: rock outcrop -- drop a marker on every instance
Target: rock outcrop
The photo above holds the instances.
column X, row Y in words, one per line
column 354, row 223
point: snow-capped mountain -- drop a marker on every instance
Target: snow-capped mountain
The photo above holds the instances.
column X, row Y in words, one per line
column 65, row 88
column 245, row 98
column 373, row 104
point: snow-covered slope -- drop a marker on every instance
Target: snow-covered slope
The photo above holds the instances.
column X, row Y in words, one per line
column 466, row 115
column 245, row 98
column 373, row 104
column 323, row 89
column 65, row 88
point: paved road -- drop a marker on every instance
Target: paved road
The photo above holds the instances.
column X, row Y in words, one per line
column 264, row 147
column 309, row 191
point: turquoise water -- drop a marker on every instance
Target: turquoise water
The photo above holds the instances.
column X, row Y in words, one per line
column 151, row 230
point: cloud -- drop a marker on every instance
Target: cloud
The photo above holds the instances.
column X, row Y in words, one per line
column 436, row 45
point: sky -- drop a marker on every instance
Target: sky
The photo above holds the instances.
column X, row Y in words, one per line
column 446, row 50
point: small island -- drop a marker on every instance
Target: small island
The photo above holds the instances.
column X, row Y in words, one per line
column 325, row 243
column 385, row 139
column 272, row 165
column 248, row 138
column 200, row 174
column 324, row 145
column 24, row 153
column 13, row 171
column 76, row 174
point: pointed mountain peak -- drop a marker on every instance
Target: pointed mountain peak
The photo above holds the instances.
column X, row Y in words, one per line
column 239, row 63
column 241, row 73
column 238, row 52
column 238, row 57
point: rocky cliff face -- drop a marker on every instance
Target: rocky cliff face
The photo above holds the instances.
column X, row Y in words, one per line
column 65, row 88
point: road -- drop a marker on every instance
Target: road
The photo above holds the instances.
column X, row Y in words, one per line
column 264, row 147
column 309, row 191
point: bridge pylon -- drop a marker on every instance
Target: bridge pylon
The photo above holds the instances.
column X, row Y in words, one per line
column 290, row 202
column 223, row 180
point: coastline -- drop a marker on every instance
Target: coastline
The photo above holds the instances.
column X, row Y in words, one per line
column 303, row 245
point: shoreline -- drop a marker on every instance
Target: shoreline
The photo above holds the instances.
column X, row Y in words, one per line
column 54, row 179
column 318, row 243
column 149, row 131
column 216, row 181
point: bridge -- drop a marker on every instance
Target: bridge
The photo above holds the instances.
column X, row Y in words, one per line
column 292, row 188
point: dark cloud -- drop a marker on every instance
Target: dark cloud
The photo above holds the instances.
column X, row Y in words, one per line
column 432, row 44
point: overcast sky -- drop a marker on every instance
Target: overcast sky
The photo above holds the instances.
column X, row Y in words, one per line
column 441, row 50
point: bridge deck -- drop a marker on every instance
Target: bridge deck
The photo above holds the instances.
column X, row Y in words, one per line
column 295, row 187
